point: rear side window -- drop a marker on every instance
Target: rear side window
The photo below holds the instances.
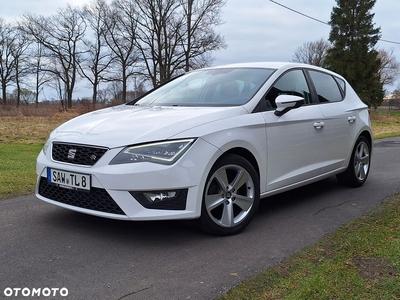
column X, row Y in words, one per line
column 326, row 86
column 342, row 84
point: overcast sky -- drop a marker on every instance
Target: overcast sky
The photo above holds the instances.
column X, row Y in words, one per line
column 256, row 30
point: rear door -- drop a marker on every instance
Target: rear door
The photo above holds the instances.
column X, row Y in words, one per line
column 339, row 119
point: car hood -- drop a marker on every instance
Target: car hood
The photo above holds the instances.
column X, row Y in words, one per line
column 126, row 124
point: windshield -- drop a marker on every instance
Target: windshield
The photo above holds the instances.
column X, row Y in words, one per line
column 213, row 87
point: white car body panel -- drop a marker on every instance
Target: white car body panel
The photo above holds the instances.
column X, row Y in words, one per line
column 295, row 146
column 126, row 125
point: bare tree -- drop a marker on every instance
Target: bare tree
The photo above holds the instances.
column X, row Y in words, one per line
column 312, row 53
column 120, row 36
column 103, row 96
column 57, row 84
column 97, row 55
column 128, row 40
column 158, row 32
column 25, row 96
column 175, row 36
column 8, row 44
column 37, row 63
column 14, row 65
column 18, row 52
column 60, row 35
column 200, row 38
column 390, row 68
column 114, row 89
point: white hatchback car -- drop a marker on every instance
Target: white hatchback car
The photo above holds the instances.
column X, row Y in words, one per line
column 208, row 145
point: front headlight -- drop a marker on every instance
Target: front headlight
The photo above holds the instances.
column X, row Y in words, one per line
column 166, row 152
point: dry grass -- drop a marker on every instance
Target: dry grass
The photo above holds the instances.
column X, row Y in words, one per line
column 31, row 125
column 385, row 124
column 30, row 130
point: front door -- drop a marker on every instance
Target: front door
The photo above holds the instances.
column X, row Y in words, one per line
column 296, row 140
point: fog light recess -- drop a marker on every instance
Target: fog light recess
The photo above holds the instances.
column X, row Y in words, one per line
column 166, row 200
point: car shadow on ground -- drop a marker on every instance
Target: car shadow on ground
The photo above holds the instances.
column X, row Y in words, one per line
column 311, row 193
column 63, row 220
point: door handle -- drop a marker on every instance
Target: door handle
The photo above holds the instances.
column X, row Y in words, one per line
column 319, row 125
column 352, row 119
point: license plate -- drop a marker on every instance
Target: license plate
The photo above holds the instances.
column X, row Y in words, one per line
column 69, row 180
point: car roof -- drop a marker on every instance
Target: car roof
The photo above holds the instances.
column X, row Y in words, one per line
column 274, row 65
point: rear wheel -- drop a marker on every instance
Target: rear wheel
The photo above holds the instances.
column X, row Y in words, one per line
column 231, row 196
column 357, row 171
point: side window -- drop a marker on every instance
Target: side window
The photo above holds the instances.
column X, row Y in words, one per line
column 342, row 84
column 326, row 87
column 292, row 83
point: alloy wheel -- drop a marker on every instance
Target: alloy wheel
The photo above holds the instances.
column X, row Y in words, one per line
column 230, row 195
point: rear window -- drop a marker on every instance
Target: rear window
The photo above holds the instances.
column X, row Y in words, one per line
column 326, row 86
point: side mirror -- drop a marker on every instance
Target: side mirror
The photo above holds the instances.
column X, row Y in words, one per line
column 285, row 103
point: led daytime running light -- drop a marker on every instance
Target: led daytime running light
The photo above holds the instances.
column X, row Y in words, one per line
column 161, row 152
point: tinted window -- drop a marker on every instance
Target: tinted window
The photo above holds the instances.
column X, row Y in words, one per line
column 341, row 83
column 292, row 83
column 326, row 87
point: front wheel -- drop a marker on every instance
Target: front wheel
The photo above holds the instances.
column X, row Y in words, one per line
column 357, row 171
column 231, row 196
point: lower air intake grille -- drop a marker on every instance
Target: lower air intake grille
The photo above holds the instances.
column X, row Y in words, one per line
column 97, row 199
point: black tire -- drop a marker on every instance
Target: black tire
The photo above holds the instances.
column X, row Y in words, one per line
column 360, row 162
column 231, row 196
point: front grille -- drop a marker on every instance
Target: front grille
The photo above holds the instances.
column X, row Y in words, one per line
column 95, row 199
column 77, row 154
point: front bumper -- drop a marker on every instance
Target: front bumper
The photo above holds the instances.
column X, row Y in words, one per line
column 116, row 189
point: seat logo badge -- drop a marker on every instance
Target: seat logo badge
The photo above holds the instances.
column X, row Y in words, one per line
column 93, row 157
column 71, row 153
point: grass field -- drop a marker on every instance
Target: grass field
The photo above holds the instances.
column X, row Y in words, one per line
column 359, row 261
column 385, row 124
column 21, row 139
column 17, row 170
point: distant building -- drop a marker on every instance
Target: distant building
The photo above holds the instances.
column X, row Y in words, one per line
column 391, row 100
